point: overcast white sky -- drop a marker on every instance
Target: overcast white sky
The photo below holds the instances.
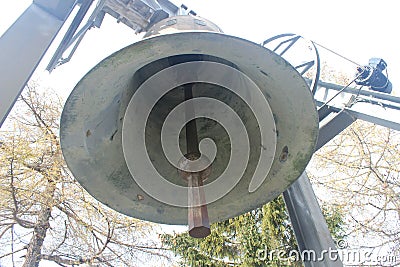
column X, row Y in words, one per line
column 357, row 29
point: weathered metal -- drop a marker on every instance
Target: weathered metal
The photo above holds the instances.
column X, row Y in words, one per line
column 23, row 46
column 198, row 221
column 199, row 224
column 97, row 160
column 139, row 15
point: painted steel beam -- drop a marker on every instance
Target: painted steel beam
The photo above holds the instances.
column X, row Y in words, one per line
column 308, row 222
column 377, row 95
column 312, row 234
column 23, row 45
column 380, row 113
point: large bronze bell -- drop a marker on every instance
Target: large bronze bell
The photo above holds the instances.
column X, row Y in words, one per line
column 116, row 103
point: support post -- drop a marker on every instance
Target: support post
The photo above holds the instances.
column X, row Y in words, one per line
column 23, row 45
column 198, row 221
column 309, row 224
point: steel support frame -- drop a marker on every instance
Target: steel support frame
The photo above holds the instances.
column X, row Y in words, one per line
column 73, row 37
column 24, row 44
column 308, row 222
column 66, row 41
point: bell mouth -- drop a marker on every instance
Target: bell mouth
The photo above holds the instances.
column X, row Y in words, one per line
column 93, row 123
column 208, row 128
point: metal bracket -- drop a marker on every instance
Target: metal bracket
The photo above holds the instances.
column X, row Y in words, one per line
column 333, row 127
column 124, row 11
column 70, row 38
column 309, row 225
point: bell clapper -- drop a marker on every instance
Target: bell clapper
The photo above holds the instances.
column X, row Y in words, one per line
column 199, row 224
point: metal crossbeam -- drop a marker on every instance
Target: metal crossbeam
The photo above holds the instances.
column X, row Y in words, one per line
column 333, row 127
column 139, row 15
column 379, row 108
column 39, row 25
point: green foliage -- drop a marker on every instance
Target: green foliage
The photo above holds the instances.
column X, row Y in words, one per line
column 238, row 241
column 334, row 219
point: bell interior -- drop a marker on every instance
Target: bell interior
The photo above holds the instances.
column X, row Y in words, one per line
column 207, row 128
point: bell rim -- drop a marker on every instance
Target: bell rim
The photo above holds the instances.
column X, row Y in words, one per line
column 79, row 147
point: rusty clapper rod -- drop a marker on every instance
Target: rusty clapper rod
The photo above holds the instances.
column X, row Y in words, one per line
column 199, row 224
